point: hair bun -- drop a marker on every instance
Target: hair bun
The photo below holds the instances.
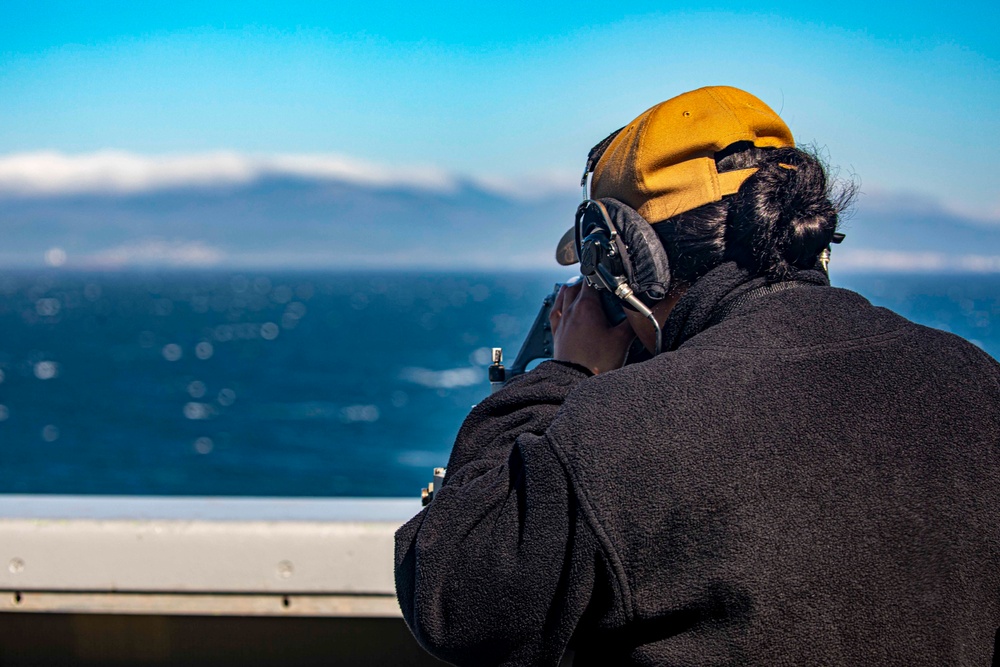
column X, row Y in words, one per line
column 782, row 218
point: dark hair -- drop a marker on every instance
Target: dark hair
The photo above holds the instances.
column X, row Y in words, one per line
column 782, row 218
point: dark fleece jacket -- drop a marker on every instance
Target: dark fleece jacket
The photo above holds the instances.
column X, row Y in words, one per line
column 807, row 480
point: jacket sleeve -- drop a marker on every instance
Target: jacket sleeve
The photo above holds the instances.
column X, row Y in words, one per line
column 498, row 569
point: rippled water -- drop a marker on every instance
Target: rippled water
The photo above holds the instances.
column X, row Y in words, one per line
column 286, row 383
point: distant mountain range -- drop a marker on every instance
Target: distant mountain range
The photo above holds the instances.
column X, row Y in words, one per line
column 274, row 219
column 286, row 221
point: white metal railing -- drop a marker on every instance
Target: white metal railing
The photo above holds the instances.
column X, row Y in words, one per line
column 239, row 556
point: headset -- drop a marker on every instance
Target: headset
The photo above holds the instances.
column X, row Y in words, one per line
column 621, row 254
column 619, row 251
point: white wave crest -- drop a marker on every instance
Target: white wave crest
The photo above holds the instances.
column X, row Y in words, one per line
column 155, row 252
column 446, row 379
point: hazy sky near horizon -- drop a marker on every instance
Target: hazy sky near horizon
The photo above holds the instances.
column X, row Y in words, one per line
column 905, row 96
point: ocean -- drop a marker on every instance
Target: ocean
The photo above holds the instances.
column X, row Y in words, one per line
column 293, row 383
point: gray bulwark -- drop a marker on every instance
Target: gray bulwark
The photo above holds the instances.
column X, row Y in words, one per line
column 151, row 555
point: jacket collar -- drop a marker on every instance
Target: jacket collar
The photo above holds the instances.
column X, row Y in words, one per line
column 717, row 294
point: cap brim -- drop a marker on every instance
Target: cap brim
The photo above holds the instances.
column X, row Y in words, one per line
column 566, row 250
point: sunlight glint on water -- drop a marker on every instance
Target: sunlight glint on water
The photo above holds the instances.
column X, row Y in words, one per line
column 287, row 384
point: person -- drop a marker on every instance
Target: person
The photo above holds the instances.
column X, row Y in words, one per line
column 797, row 478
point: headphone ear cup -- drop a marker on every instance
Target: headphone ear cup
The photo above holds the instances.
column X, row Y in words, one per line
column 645, row 261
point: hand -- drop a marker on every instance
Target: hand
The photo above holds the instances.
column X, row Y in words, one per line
column 581, row 333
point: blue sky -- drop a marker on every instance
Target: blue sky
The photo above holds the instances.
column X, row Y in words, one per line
column 905, row 96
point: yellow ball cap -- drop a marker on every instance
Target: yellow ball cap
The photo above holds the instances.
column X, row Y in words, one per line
column 662, row 164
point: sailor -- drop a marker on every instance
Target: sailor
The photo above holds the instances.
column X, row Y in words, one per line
column 792, row 476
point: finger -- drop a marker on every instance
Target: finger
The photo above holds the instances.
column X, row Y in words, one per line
column 588, row 292
column 566, row 294
column 555, row 318
column 572, row 289
column 560, row 299
column 590, row 299
column 555, row 313
column 573, row 295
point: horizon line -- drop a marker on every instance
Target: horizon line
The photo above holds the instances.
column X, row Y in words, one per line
column 197, row 256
